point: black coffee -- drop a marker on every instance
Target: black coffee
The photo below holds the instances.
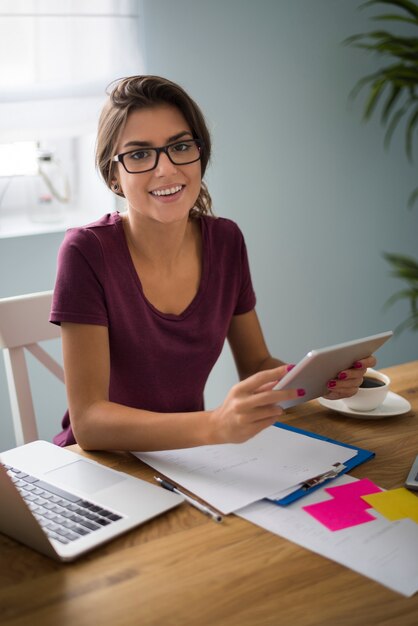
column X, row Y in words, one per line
column 369, row 382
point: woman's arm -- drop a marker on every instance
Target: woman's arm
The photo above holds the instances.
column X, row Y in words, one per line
column 251, row 355
column 248, row 346
column 99, row 424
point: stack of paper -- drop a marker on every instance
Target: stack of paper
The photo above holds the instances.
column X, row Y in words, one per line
column 384, row 550
column 352, row 522
column 230, row 476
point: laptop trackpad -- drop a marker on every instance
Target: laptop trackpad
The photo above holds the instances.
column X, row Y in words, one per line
column 85, row 476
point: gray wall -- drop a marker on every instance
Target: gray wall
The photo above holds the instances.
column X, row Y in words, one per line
column 313, row 190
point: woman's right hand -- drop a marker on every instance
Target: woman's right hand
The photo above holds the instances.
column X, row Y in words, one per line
column 250, row 406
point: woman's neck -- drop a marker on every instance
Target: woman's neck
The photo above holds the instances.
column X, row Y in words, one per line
column 155, row 243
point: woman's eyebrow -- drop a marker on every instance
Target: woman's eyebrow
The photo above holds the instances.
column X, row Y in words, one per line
column 148, row 144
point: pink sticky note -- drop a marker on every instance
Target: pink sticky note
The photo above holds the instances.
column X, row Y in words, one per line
column 337, row 514
column 347, row 508
column 354, row 490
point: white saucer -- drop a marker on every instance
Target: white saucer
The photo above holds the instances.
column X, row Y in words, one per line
column 393, row 405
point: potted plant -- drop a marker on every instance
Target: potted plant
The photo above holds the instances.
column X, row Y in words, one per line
column 395, row 87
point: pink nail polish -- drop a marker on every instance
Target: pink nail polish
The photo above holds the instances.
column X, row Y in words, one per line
column 301, row 392
column 342, row 375
column 290, row 367
column 357, row 365
column 331, row 384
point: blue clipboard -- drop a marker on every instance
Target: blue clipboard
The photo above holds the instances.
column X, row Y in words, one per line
column 361, row 456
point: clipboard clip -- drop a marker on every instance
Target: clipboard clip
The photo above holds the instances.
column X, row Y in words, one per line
column 317, row 480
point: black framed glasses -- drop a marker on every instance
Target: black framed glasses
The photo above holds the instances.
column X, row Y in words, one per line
column 143, row 160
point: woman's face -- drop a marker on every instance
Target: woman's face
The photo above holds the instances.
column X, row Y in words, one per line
column 156, row 127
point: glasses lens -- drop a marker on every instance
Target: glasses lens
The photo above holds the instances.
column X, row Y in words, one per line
column 184, row 152
column 140, row 160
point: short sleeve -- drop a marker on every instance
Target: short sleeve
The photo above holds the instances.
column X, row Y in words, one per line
column 79, row 287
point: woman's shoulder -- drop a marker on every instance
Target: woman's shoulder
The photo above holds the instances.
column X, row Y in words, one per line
column 222, row 226
column 92, row 241
column 103, row 226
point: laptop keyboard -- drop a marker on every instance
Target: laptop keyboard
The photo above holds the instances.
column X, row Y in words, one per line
column 62, row 515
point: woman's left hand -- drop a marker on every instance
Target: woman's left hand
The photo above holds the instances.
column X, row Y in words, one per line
column 347, row 382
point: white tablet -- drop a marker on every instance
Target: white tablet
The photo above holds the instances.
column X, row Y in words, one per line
column 314, row 371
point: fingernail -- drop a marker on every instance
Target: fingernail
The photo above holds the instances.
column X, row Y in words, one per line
column 342, row 375
column 331, row 384
column 357, row 365
column 290, row 367
column 301, row 392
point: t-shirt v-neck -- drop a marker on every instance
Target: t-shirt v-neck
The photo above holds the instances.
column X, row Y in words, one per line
column 203, row 275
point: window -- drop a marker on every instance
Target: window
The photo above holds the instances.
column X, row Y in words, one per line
column 18, row 158
column 67, row 51
column 56, row 60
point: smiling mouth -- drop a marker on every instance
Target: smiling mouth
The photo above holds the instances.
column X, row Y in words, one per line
column 167, row 192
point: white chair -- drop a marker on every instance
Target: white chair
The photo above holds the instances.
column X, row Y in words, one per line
column 24, row 323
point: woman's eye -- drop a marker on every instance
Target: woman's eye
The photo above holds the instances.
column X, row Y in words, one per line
column 181, row 147
column 139, row 155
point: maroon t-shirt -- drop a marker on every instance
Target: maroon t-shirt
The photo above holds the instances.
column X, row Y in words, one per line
column 158, row 362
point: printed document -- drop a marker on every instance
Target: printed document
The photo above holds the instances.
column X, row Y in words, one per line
column 230, row 476
column 385, row 551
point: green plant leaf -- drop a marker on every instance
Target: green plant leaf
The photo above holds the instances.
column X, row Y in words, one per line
column 399, row 295
column 410, row 322
column 375, row 93
column 396, row 118
column 401, row 260
column 407, row 6
column 405, row 274
column 400, row 79
column 349, row 41
column 362, row 83
column 413, row 198
column 398, row 18
column 380, row 34
column 405, row 267
column 400, row 73
column 390, row 102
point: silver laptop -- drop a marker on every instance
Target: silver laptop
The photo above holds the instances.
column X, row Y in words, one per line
column 64, row 505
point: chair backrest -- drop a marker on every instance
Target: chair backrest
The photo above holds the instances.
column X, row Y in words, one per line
column 23, row 324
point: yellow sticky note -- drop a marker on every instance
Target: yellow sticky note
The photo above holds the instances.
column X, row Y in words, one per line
column 394, row 504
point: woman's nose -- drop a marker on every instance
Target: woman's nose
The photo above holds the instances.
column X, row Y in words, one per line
column 164, row 165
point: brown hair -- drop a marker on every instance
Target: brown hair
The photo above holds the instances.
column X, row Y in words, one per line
column 136, row 92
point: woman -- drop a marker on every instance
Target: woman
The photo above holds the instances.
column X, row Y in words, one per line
column 147, row 298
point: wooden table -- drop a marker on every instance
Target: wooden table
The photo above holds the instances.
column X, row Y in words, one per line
column 184, row 569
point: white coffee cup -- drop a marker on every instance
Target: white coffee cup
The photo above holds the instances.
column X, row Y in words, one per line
column 369, row 398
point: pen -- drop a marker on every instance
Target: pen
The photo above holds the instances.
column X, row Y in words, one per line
column 201, row 507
